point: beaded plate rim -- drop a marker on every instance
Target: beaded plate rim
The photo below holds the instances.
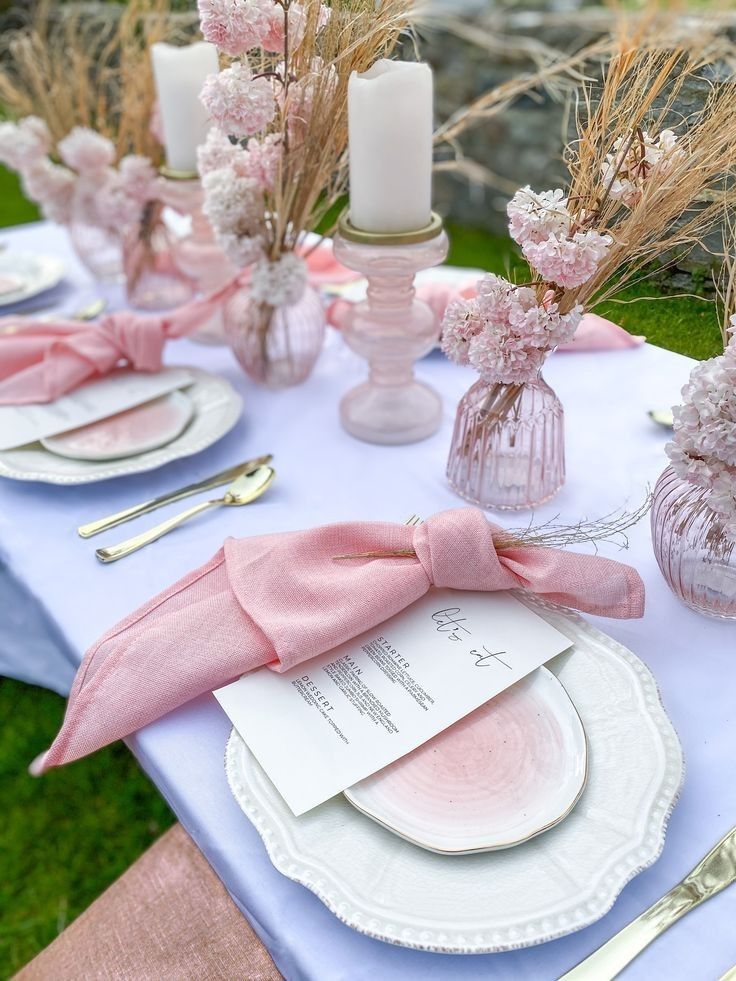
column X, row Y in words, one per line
column 206, row 390
column 289, row 859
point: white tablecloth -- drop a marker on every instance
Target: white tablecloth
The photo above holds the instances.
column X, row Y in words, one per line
column 613, row 453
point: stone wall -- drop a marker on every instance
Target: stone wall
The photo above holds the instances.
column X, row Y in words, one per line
column 523, row 144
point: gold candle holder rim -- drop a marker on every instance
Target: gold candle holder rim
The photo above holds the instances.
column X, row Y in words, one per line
column 349, row 232
column 177, row 175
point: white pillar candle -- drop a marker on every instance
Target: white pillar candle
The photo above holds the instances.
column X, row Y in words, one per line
column 390, row 137
column 179, row 74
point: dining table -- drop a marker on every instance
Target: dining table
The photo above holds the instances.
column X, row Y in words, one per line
column 56, row 599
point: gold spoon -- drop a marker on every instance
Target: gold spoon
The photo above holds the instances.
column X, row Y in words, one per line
column 245, row 489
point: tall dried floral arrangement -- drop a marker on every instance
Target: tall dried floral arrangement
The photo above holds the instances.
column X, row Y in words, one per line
column 74, row 68
column 646, row 183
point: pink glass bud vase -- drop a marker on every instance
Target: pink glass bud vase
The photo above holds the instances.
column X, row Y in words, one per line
column 391, row 329
column 153, row 281
column 695, row 554
column 99, row 248
column 276, row 346
column 508, row 445
column 196, row 253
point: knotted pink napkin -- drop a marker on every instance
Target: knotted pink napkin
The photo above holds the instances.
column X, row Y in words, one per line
column 594, row 333
column 41, row 360
column 280, row 599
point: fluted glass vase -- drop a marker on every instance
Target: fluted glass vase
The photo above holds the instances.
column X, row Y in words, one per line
column 99, row 249
column 276, row 346
column 696, row 556
column 153, row 281
column 508, row 446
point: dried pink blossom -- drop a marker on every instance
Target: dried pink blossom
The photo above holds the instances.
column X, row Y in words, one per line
column 23, row 144
column 235, row 208
column 261, row 160
column 236, row 26
column 568, row 262
column 533, row 216
column 86, row 151
column 273, row 40
column 52, row 187
column 238, row 103
column 504, row 332
column 120, row 200
column 217, row 151
column 635, row 161
column 703, row 450
column 279, row 282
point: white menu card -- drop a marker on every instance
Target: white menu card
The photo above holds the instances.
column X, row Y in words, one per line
column 337, row 718
column 121, row 390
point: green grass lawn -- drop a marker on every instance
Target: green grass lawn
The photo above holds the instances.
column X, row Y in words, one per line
column 65, row 837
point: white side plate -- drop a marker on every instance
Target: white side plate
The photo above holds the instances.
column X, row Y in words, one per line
column 29, row 273
column 132, row 432
column 217, row 407
column 508, row 771
column 552, row 885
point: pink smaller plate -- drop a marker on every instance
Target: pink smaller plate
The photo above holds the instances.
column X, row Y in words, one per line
column 508, row 771
column 137, row 430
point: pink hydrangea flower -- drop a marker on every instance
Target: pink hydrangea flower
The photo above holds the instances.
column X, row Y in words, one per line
column 504, row 332
column 703, row 450
column 52, row 187
column 236, row 26
column 238, row 103
column 279, row 282
column 568, row 262
column 217, row 151
column 260, row 160
column 235, row 208
column 121, row 198
column 633, row 162
column 86, row 151
column 273, row 39
column 25, row 143
column 533, row 216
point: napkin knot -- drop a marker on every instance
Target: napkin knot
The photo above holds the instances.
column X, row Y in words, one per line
column 139, row 339
column 457, row 551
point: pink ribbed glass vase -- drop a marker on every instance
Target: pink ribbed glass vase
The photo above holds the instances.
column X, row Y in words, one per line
column 696, row 556
column 276, row 346
column 508, row 446
column 153, row 281
column 98, row 249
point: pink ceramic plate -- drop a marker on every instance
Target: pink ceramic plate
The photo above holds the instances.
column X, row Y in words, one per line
column 128, row 433
column 512, row 769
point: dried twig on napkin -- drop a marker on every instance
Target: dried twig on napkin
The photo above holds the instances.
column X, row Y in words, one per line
column 610, row 528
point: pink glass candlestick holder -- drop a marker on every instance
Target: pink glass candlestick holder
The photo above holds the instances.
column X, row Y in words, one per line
column 196, row 253
column 391, row 328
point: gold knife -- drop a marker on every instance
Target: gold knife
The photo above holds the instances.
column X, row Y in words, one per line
column 216, row 480
column 716, row 871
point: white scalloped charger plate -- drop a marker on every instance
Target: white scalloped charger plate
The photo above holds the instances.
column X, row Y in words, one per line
column 217, row 407
column 502, row 775
column 559, row 882
column 26, row 274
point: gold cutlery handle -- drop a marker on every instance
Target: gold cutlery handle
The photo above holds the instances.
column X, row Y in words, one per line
column 137, row 510
column 716, row 871
column 111, row 553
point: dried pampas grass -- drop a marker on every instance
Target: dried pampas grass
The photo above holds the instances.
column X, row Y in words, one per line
column 313, row 173
column 73, row 67
column 652, row 64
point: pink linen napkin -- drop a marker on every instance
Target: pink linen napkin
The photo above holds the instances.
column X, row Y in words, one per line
column 594, row 333
column 41, row 360
column 281, row 599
